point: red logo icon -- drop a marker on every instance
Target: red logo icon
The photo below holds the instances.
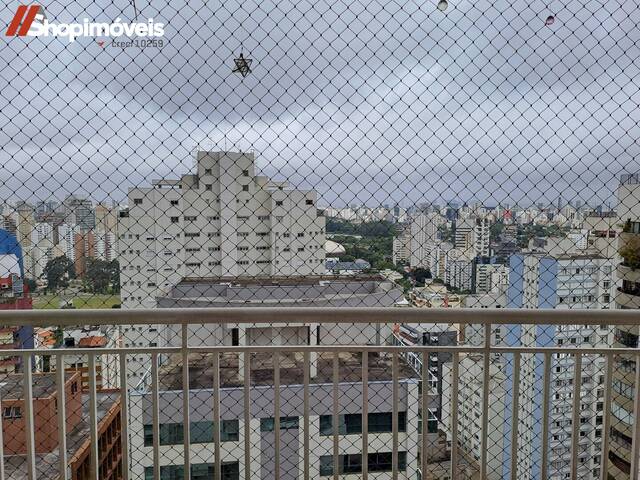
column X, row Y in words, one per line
column 22, row 20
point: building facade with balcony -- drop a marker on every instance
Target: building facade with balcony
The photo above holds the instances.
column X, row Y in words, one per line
column 627, row 296
column 572, row 281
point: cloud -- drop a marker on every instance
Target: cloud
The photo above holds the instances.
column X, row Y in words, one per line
column 365, row 101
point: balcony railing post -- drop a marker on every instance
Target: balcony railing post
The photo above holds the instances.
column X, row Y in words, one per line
column 217, row 422
column 485, row 400
column 515, row 416
column 124, row 416
column 575, row 415
column 276, row 411
column 247, row 415
column 546, row 387
column 62, row 417
column 155, row 413
column 306, row 413
column 454, row 414
column 186, row 414
column 635, row 442
column 365, row 415
column 27, row 365
column 604, row 458
column 2, row 474
column 424, row 412
column 93, row 419
column 395, row 399
column 335, row 417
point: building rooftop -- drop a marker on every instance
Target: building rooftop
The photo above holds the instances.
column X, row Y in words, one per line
column 93, row 341
column 44, row 385
column 291, row 369
column 47, row 464
column 318, row 291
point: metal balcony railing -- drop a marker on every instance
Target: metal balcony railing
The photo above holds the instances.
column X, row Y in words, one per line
column 334, row 396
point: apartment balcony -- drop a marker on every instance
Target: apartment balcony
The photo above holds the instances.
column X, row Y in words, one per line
column 628, row 298
column 322, row 409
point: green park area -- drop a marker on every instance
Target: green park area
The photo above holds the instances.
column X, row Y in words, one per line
column 81, row 300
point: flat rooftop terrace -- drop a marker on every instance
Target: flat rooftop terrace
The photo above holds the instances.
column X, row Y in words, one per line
column 291, row 369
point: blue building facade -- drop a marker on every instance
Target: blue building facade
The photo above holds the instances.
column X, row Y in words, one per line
column 532, row 284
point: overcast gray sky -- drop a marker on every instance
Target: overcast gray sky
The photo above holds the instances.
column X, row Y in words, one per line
column 366, row 101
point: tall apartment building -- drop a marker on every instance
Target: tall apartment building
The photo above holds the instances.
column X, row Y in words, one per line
column 568, row 281
column 402, row 245
column 79, row 211
column 459, row 269
column 473, row 234
column 222, row 220
column 627, row 297
column 470, row 404
column 424, row 231
column 490, row 277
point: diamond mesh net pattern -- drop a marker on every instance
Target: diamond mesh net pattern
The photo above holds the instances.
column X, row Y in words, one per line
column 447, row 154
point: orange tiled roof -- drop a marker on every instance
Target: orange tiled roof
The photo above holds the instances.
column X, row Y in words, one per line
column 92, row 342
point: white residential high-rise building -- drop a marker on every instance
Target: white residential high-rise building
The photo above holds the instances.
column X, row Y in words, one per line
column 473, row 234
column 222, row 221
column 402, row 246
column 573, row 280
column 424, row 231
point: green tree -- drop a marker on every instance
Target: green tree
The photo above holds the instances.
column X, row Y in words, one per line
column 114, row 268
column 630, row 252
column 58, row 272
column 102, row 276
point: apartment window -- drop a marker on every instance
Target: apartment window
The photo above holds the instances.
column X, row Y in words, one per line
column 309, row 202
column 214, row 249
column 245, row 188
column 286, row 423
column 243, row 262
column 352, row 463
column 207, row 171
column 351, row 423
column 212, row 219
column 192, row 265
column 208, row 187
column 191, row 250
column 190, row 218
column 174, row 203
column 243, row 234
column 301, row 234
column 201, row 432
column 199, row 471
column 191, row 234
column 214, row 264
column 279, row 203
column 175, row 219
column 245, row 173
column 137, row 201
column 243, row 249
column 12, row 412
